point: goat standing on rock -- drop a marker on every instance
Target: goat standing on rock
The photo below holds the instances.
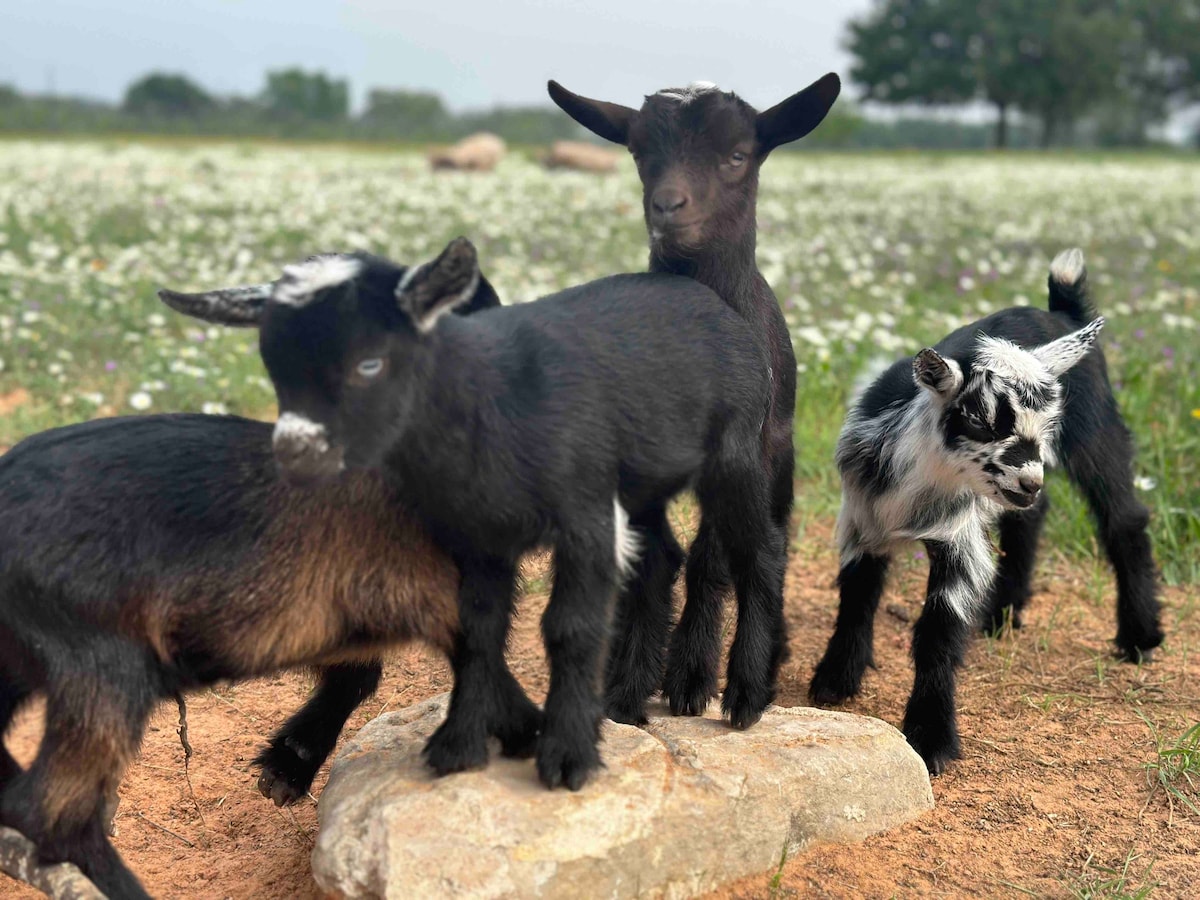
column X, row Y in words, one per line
column 556, row 422
column 941, row 447
column 698, row 151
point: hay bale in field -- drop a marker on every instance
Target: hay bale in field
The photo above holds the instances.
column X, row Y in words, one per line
column 475, row 153
column 581, row 156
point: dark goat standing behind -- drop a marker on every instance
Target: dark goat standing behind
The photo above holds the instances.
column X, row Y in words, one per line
column 549, row 423
column 940, row 448
column 698, row 152
column 146, row 556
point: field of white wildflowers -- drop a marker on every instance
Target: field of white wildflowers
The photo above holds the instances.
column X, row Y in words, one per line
column 869, row 254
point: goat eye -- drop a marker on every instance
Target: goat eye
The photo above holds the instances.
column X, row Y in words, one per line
column 736, row 159
column 369, row 368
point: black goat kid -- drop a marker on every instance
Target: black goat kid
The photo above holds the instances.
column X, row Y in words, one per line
column 698, row 152
column 941, row 447
column 146, row 556
column 551, row 423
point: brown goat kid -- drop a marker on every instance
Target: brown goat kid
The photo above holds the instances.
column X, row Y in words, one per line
column 698, row 151
column 147, row 556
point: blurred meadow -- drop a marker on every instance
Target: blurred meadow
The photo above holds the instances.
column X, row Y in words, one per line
column 871, row 255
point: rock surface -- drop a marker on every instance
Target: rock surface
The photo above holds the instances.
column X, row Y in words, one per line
column 682, row 807
column 18, row 857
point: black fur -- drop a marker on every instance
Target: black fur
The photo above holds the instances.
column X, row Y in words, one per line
column 136, row 557
column 1092, row 444
column 519, row 428
column 698, row 160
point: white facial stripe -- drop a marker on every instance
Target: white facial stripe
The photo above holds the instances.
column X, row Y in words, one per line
column 1009, row 361
column 1036, row 424
column 408, row 277
column 292, row 427
column 302, row 281
column 625, row 540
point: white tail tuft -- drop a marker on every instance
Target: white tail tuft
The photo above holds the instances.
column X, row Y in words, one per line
column 1067, row 267
column 625, row 539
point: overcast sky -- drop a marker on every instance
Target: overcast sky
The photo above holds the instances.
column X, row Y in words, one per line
column 477, row 53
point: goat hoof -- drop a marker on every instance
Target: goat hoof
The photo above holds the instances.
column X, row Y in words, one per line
column 560, row 764
column 744, row 707
column 449, row 751
column 627, row 712
column 519, row 733
column 938, row 751
column 830, row 688
column 286, row 776
column 1138, row 649
column 275, row 787
column 689, row 694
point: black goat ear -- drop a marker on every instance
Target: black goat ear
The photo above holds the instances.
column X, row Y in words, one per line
column 239, row 306
column 937, row 374
column 428, row 291
column 798, row 114
column 610, row 121
column 485, row 297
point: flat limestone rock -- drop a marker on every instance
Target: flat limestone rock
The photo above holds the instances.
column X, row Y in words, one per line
column 18, row 857
column 682, row 807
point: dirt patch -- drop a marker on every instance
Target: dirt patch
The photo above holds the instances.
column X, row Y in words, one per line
column 1051, row 791
column 13, row 400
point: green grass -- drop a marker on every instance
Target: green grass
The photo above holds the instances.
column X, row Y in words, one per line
column 1101, row 883
column 1175, row 769
column 872, row 255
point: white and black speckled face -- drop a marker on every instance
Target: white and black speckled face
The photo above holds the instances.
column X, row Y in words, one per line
column 999, row 421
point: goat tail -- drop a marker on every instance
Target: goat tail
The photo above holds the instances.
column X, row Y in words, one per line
column 1068, row 287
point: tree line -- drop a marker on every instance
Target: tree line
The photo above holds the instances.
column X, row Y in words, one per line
column 1112, row 67
column 1074, row 72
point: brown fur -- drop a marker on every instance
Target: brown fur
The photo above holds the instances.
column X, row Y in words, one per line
column 92, row 748
column 359, row 576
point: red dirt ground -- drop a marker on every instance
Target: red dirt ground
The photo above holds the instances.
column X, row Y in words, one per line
column 1052, row 788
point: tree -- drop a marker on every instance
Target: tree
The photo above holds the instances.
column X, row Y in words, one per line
column 1051, row 59
column 296, row 94
column 410, row 114
column 161, row 94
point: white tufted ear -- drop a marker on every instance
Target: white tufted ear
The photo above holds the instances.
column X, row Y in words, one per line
column 1060, row 355
column 429, row 291
column 938, row 375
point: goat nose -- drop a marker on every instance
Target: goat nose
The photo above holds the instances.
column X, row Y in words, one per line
column 1030, row 484
column 668, row 201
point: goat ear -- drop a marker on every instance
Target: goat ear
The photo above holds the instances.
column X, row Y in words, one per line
column 937, row 374
column 609, row 120
column 798, row 114
column 1060, row 355
column 485, row 297
column 239, row 306
column 427, row 292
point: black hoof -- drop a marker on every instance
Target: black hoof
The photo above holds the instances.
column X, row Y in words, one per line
column 449, row 750
column 688, row 693
column 288, row 770
column 833, row 685
column 743, row 705
column 562, row 764
column 936, row 746
column 519, row 731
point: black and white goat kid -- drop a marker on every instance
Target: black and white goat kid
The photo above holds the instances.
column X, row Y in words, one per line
column 546, row 424
column 942, row 447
